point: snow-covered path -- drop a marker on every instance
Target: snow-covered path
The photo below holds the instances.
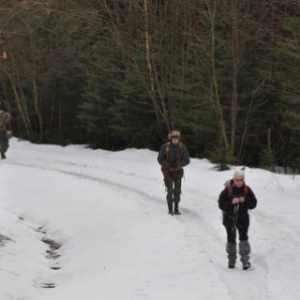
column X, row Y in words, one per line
column 107, row 213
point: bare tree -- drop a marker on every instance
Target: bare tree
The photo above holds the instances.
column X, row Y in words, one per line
column 215, row 97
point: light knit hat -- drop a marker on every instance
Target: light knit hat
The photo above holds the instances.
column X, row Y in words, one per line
column 174, row 133
column 239, row 173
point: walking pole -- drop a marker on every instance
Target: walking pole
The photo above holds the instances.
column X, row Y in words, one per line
column 235, row 217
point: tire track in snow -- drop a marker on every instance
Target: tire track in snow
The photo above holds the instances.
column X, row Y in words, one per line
column 213, row 245
column 214, row 240
column 101, row 179
column 277, row 243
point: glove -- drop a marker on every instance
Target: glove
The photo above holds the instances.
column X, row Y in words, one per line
column 179, row 164
column 9, row 134
column 173, row 165
column 165, row 165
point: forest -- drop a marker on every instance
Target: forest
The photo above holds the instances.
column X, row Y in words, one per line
column 114, row 74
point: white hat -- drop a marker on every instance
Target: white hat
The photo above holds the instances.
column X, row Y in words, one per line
column 238, row 173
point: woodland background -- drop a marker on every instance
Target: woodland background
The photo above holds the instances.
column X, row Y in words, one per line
column 116, row 74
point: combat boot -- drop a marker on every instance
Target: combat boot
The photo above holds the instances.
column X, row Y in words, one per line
column 176, row 211
column 170, row 206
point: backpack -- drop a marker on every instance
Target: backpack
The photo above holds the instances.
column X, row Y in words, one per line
column 229, row 188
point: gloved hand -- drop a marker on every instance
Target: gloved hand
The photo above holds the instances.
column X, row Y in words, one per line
column 9, row 133
column 165, row 165
column 237, row 200
column 179, row 164
column 173, row 165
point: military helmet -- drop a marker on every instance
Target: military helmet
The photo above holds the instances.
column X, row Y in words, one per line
column 174, row 133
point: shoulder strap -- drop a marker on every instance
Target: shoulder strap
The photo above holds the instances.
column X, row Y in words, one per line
column 180, row 146
column 246, row 190
column 229, row 188
column 167, row 149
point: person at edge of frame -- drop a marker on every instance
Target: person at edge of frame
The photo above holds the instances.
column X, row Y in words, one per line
column 5, row 132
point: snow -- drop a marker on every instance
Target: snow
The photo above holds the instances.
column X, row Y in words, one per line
column 90, row 224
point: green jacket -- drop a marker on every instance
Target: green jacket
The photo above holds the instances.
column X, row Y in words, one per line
column 173, row 157
column 4, row 120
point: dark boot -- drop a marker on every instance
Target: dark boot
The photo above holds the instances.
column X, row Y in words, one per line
column 176, row 211
column 170, row 206
column 231, row 251
column 244, row 250
column 3, row 156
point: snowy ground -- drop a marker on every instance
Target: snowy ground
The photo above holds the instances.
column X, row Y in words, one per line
column 90, row 224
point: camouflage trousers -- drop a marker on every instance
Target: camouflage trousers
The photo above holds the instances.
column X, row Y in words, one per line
column 3, row 146
column 173, row 186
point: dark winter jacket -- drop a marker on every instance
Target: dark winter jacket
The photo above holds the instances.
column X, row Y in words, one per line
column 4, row 120
column 173, row 157
column 4, row 125
column 3, row 135
column 228, row 194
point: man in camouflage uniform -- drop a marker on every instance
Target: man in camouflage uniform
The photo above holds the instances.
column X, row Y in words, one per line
column 172, row 157
column 4, row 133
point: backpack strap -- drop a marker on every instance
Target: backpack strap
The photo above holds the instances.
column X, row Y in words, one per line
column 179, row 146
column 246, row 189
column 229, row 188
column 167, row 149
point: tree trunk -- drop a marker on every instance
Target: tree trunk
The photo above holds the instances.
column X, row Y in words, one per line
column 154, row 83
column 215, row 97
column 234, row 92
column 36, row 106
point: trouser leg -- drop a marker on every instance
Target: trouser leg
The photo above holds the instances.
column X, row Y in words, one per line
column 173, row 186
column 3, row 147
column 242, row 227
column 231, row 247
column 169, row 187
column 177, row 192
column 230, row 230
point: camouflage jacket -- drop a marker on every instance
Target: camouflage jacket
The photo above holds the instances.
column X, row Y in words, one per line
column 173, row 156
